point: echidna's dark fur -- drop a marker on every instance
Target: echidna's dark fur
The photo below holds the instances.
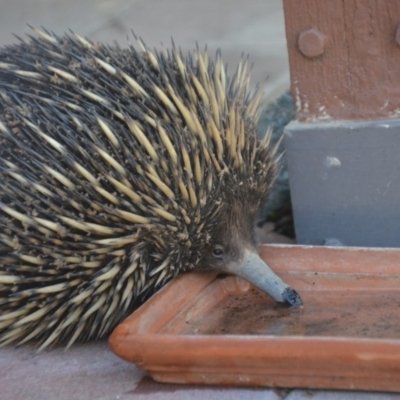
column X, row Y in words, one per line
column 118, row 169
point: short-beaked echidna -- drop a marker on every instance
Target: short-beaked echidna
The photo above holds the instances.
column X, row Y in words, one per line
column 119, row 169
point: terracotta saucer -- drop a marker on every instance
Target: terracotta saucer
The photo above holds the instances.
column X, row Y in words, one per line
column 207, row 329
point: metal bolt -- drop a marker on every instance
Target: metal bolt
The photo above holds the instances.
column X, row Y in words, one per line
column 311, row 43
column 397, row 35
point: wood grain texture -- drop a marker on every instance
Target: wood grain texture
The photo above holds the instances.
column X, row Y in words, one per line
column 358, row 74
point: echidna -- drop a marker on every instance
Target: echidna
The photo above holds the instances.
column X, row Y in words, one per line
column 120, row 169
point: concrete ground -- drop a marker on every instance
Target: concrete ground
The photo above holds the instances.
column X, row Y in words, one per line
column 255, row 28
column 91, row 371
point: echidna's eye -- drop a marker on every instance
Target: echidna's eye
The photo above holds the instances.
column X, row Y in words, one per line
column 218, row 252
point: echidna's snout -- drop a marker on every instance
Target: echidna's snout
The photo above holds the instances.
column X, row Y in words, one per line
column 253, row 269
column 291, row 297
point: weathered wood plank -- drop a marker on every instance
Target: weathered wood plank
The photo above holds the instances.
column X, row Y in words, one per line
column 349, row 66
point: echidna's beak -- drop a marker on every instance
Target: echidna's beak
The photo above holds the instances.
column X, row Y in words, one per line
column 254, row 270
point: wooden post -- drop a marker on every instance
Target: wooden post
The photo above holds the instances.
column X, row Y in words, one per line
column 344, row 58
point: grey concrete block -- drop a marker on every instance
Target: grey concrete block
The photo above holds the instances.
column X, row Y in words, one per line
column 345, row 182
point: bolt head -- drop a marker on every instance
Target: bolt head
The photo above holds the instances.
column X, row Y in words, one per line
column 311, row 43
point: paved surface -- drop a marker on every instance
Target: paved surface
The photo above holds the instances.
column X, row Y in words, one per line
column 256, row 29
column 91, row 371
